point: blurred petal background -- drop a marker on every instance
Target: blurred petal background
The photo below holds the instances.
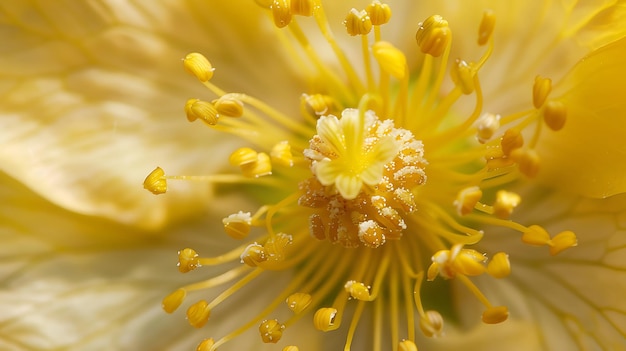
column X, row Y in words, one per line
column 92, row 96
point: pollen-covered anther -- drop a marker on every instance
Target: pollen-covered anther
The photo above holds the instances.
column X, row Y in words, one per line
column 358, row 290
column 206, row 345
column 462, row 74
column 172, row 301
column 237, row 225
column 495, row 315
column 433, row 35
column 155, row 182
column 228, row 106
column 487, row 25
column 407, row 345
column 319, row 104
column 187, row 260
column 358, row 22
column 203, row 110
column 562, row 241
column 379, row 13
column 536, row 235
column 198, row 65
column 302, row 7
column 198, row 314
column 253, row 255
column 281, row 12
column 511, row 140
column 554, row 114
column 281, row 154
column 449, row 263
column 466, row 199
column 261, row 167
column 541, row 90
column 276, row 245
column 499, row 266
column 486, row 127
column 506, row 202
column 371, row 234
column 391, row 60
column 431, row 324
column 527, row 160
column 298, row 302
column 271, row 331
column 324, row 319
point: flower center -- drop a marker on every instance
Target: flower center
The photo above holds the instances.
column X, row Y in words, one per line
column 356, row 220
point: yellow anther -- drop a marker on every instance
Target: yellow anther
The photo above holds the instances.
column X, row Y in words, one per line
column 206, row 345
column 198, row 109
column 298, row 302
column 562, row 241
column 228, row 106
column 276, row 245
column 466, row 199
column 237, row 225
column 317, row 229
column 172, row 301
column 433, row 35
column 155, row 182
column 527, row 160
column 495, row 315
column 506, row 201
column 198, row 65
column 449, row 263
column 253, row 255
column 379, row 13
column 487, row 24
column 281, row 12
column 536, row 235
column 319, row 105
column 486, row 127
column 431, row 324
column 357, row 290
column 198, row 314
column 302, row 7
column 462, row 74
column 187, row 260
column 242, row 156
column 291, row 348
column 281, row 154
column 499, row 266
column 324, row 319
column 511, row 140
column 407, row 345
column 541, row 90
column 358, row 22
column 371, row 234
column 266, row 4
column 469, row 262
column 555, row 114
column 391, row 60
column 271, row 331
column 262, row 166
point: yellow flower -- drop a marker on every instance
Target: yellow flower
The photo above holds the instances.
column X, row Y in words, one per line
column 90, row 93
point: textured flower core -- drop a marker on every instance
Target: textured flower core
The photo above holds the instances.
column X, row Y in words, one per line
column 380, row 183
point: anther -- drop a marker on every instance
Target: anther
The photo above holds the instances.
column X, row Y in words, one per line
column 541, row 90
column 302, row 7
column 281, row 154
column 562, row 241
column 291, row 348
column 499, row 266
column 433, row 35
column 358, row 22
column 253, row 255
column 431, row 324
column 506, row 201
column 198, row 65
column 228, row 106
column 466, row 199
column 237, row 225
column 206, row 345
column 371, row 234
column 357, row 290
column 198, row 314
column 271, row 331
column 172, row 301
column 407, row 345
column 281, row 12
column 527, row 160
column 266, row 4
column 324, row 319
column 487, row 24
column 379, row 13
column 495, row 315
column 555, row 114
column 198, row 109
column 187, row 260
column 511, row 140
column 298, row 302
column 486, row 127
column 262, row 166
column 242, row 156
column 462, row 74
column 391, row 60
column 155, row 182
column 319, row 105
column 536, row 235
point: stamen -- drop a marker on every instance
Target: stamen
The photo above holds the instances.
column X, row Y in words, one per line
column 495, row 315
column 198, row 314
column 206, row 345
column 271, row 331
column 281, row 154
column 187, row 260
column 281, row 12
column 555, row 114
column 499, row 266
column 541, row 90
column 237, row 225
column 433, row 35
column 229, row 106
column 391, row 60
column 506, row 201
column 407, row 345
column 486, row 127
column 198, row 65
column 298, row 302
column 536, row 235
column 324, row 319
column 358, row 290
column 302, row 7
column 562, row 241
column 290, row 348
column 203, row 110
column 487, row 25
column 511, row 140
column 462, row 74
column 467, row 199
column 527, row 160
column 358, row 22
column 155, row 182
column 378, row 12
column 431, row 324
column 260, row 167
column 172, row 301
column 253, row 255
